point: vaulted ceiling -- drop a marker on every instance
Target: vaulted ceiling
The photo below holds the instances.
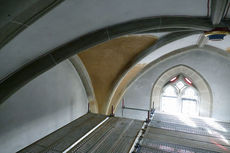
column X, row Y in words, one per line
column 114, row 39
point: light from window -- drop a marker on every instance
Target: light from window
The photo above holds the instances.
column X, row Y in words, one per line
column 170, row 105
column 189, row 107
column 173, row 79
column 190, row 93
column 180, row 84
column 170, row 91
column 180, row 96
column 188, row 81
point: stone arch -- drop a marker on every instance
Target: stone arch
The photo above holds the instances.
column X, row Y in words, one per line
column 15, row 80
column 200, row 83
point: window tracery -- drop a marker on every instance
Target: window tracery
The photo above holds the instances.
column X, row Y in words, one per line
column 179, row 95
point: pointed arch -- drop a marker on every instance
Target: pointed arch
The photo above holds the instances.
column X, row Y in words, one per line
column 200, row 83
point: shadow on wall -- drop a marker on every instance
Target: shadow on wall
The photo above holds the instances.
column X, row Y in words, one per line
column 47, row 103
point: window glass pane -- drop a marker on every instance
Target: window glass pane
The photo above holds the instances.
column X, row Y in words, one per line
column 189, row 107
column 188, row 81
column 170, row 91
column 190, row 93
column 180, row 84
column 169, row 105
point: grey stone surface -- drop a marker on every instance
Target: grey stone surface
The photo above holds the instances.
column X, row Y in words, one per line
column 11, row 8
column 218, row 9
column 85, row 78
column 21, row 14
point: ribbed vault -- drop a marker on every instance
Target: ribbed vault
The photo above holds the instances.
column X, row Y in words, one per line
column 107, row 61
column 50, row 44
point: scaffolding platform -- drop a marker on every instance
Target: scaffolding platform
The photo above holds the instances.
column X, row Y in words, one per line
column 181, row 134
column 115, row 135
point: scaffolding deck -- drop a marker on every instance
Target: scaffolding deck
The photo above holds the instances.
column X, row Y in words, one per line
column 169, row 133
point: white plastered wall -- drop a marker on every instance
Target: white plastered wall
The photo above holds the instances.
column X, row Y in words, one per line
column 45, row 104
column 212, row 66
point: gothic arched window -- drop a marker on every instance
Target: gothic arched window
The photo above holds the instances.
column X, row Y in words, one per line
column 179, row 95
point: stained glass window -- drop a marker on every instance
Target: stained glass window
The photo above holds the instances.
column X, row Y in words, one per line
column 179, row 95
